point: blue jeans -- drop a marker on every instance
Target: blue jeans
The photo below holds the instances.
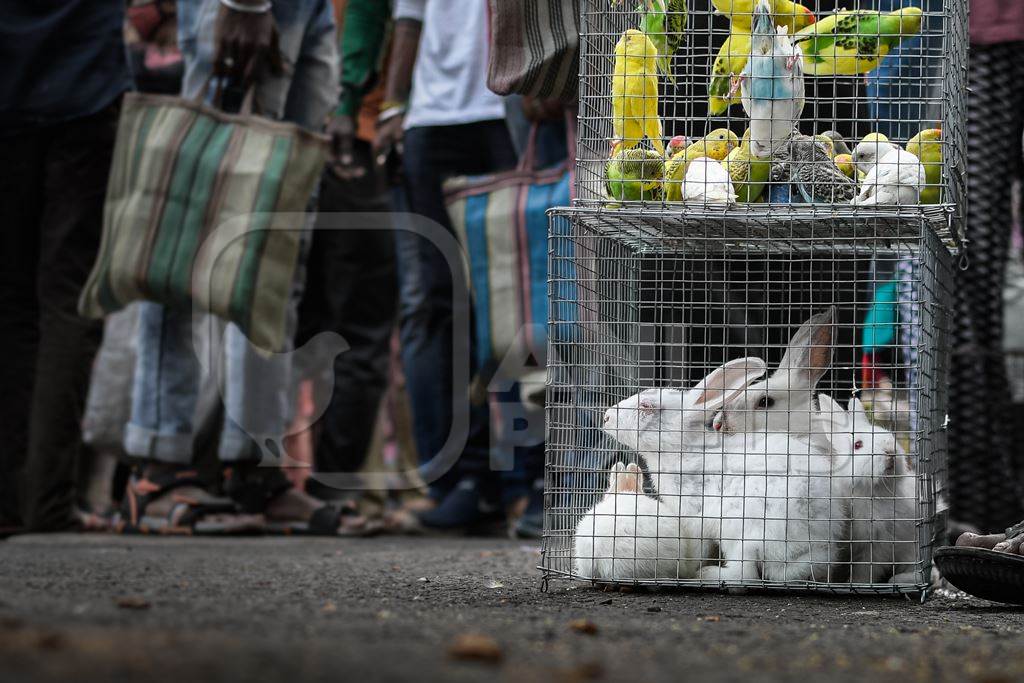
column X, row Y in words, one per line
column 255, row 389
column 901, row 89
column 433, row 154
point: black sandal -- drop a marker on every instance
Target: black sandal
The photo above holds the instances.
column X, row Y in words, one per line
column 989, row 574
column 254, row 487
column 984, row 573
column 187, row 516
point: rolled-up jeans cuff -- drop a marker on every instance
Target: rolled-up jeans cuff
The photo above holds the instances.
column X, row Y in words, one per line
column 171, row 448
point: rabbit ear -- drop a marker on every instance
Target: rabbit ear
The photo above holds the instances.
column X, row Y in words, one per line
column 856, row 407
column 809, row 354
column 831, row 415
column 729, row 380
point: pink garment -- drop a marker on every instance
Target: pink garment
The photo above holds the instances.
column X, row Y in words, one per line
column 996, row 21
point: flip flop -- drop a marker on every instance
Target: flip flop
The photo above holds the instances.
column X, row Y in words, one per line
column 326, row 521
column 187, row 516
column 984, row 573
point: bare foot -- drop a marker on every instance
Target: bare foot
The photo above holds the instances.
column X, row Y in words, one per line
column 1010, row 542
column 295, row 505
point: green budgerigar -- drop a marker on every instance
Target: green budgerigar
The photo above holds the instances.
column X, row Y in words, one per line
column 748, row 173
column 664, row 22
column 852, row 42
column 634, row 174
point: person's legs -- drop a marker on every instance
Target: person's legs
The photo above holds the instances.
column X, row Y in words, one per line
column 351, row 289
column 77, row 164
column 165, row 387
column 257, row 388
column 433, row 154
column 22, row 160
column 984, row 490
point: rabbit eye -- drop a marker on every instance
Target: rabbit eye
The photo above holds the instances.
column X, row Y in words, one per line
column 858, row 444
column 765, row 402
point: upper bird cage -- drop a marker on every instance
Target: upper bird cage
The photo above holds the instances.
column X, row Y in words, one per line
column 666, row 82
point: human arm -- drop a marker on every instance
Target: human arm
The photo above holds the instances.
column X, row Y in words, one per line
column 398, row 83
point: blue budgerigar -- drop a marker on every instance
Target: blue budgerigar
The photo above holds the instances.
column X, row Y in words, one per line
column 771, row 85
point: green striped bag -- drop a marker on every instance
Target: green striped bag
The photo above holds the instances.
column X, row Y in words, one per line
column 196, row 214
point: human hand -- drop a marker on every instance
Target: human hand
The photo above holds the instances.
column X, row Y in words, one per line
column 342, row 131
column 388, row 138
column 247, row 45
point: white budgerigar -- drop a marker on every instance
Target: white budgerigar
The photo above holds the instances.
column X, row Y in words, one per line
column 771, row 85
column 894, row 175
column 707, row 182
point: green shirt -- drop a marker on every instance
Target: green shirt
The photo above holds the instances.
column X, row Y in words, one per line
column 361, row 47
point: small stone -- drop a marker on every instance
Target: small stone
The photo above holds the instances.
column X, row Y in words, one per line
column 583, row 626
column 133, row 602
column 475, row 647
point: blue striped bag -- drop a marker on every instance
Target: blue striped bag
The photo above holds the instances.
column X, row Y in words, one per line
column 502, row 223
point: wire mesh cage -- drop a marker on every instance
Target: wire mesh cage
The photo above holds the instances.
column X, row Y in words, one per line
column 747, row 103
column 741, row 402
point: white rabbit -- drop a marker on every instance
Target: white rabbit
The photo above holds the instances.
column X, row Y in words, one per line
column 786, row 521
column 783, row 403
column 629, row 535
column 668, row 426
column 883, row 506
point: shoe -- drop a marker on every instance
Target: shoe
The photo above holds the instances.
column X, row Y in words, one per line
column 464, row 508
column 531, row 523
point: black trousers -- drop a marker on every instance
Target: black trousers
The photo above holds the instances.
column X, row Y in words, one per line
column 351, row 289
column 984, row 488
column 52, row 185
column 432, row 155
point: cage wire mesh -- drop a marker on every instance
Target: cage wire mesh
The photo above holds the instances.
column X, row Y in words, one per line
column 769, row 118
column 642, row 312
column 747, row 387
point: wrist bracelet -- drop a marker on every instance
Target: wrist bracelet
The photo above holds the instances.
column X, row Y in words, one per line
column 248, row 9
column 391, row 112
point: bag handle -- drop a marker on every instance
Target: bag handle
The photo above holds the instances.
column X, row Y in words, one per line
column 250, row 105
column 526, row 163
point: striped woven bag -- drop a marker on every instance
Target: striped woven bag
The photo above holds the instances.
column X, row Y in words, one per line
column 502, row 223
column 534, row 48
column 195, row 213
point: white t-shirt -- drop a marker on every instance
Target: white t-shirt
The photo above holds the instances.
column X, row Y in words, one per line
column 449, row 85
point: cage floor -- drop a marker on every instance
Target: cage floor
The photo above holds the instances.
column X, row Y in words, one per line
column 646, row 229
column 921, row 589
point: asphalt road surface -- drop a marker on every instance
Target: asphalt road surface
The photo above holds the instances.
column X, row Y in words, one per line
column 84, row 608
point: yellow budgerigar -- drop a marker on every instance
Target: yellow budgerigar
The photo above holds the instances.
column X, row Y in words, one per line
column 927, row 146
column 845, row 164
column 792, row 15
column 635, row 92
column 716, row 145
column 748, row 173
